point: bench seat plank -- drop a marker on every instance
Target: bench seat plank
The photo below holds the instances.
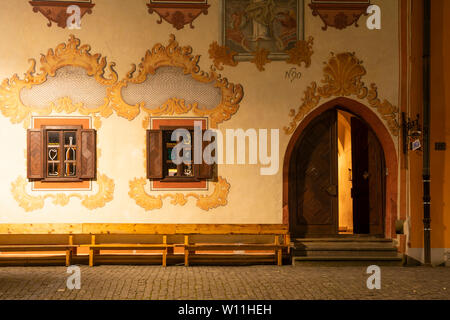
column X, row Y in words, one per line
column 69, row 249
column 94, row 249
column 120, row 246
column 55, row 247
column 235, row 247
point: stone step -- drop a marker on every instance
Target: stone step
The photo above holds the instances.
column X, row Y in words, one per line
column 348, row 260
column 346, row 250
column 340, row 247
column 343, row 244
column 350, row 252
column 343, row 239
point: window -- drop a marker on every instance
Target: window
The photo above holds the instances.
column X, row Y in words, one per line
column 61, row 153
column 160, row 165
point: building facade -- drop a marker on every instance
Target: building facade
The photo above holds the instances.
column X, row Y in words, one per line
column 319, row 89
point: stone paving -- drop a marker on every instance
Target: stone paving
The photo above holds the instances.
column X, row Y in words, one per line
column 224, row 283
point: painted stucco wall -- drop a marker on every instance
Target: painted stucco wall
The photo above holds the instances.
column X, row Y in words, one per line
column 123, row 31
column 440, row 121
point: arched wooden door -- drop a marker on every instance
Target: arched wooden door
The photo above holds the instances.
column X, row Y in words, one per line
column 313, row 179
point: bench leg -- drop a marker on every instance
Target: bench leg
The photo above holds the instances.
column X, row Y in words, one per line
column 68, row 257
column 279, row 258
column 91, row 257
column 186, row 258
column 164, row 258
column 287, row 242
column 186, row 252
column 69, row 252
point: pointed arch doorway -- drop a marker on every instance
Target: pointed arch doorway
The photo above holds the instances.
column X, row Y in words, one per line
column 335, row 173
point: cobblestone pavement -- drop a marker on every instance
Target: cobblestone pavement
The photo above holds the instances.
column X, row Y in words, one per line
column 204, row 283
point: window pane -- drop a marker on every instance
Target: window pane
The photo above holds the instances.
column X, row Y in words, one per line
column 185, row 149
column 70, row 148
column 188, row 171
column 187, row 155
column 53, row 154
column 53, row 138
column 70, row 153
column 70, row 138
column 172, row 169
column 70, row 170
column 53, row 169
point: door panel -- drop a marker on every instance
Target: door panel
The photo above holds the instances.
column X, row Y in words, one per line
column 313, row 198
column 377, row 178
column 368, row 180
column 360, row 177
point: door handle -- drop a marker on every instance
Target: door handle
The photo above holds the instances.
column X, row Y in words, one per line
column 332, row 190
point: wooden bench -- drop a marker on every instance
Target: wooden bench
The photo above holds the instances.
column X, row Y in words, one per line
column 70, row 249
column 177, row 243
column 276, row 246
column 193, row 242
column 94, row 248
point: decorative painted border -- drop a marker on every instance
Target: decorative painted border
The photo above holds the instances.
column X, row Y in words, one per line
column 176, row 56
column 65, row 54
column 31, row 203
column 71, row 53
column 205, row 202
column 222, row 55
column 342, row 78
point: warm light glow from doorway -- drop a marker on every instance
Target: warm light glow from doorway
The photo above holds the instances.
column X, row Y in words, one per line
column 345, row 173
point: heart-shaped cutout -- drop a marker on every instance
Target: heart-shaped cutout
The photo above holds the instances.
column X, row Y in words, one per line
column 52, row 153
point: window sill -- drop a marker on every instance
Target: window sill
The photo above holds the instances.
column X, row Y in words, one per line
column 62, row 180
column 180, row 179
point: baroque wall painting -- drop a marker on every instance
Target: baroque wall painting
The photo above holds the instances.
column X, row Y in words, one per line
column 63, row 12
column 178, row 13
column 252, row 28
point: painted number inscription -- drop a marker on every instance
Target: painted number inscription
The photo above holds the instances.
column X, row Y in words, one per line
column 293, row 74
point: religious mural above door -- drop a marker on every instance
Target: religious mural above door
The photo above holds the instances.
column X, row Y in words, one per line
column 272, row 27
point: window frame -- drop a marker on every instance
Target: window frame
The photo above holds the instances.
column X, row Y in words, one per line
column 195, row 167
column 62, row 161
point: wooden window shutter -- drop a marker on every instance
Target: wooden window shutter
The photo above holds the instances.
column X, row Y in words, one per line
column 205, row 171
column 155, row 154
column 35, row 154
column 88, row 154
